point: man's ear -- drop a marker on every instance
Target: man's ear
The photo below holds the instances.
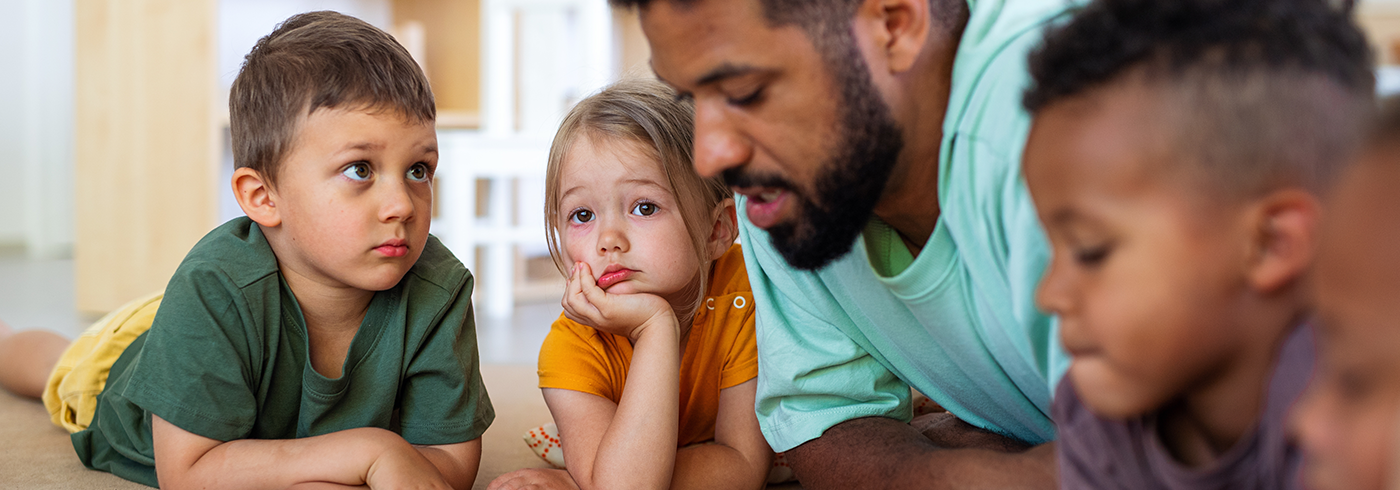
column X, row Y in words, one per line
column 1285, row 238
column 899, row 27
column 256, row 197
column 725, row 229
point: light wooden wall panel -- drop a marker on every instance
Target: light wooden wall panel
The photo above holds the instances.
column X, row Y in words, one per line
column 1381, row 23
column 146, row 143
column 452, row 30
column 634, row 54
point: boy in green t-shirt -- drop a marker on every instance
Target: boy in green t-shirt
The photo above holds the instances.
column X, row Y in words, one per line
column 325, row 340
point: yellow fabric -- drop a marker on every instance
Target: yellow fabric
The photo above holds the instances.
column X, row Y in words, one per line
column 81, row 373
column 721, row 352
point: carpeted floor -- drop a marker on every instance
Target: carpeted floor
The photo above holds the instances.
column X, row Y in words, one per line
column 35, row 454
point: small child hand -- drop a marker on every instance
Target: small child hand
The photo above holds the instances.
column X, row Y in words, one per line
column 627, row 315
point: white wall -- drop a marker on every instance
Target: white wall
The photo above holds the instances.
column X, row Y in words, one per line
column 11, row 120
column 36, row 126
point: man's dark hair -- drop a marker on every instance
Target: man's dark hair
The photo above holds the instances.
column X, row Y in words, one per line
column 312, row 61
column 828, row 22
column 1257, row 92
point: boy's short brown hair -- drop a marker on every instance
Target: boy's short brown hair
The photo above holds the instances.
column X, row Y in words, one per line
column 312, row 61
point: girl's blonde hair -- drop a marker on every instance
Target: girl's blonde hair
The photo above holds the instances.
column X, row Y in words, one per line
column 646, row 112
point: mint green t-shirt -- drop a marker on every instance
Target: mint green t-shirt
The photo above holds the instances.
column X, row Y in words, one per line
column 958, row 322
column 226, row 358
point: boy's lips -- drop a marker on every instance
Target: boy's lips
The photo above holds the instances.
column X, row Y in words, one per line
column 766, row 206
column 393, row 248
column 613, row 275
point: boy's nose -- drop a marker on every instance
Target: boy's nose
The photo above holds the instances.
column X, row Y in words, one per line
column 718, row 144
column 396, row 203
column 1052, row 294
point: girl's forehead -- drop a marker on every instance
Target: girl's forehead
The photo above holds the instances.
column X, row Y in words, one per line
column 614, row 163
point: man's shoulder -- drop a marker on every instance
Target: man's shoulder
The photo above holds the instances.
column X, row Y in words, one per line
column 989, row 72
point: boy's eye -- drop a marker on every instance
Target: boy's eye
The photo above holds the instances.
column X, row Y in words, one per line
column 1091, row 256
column 418, row 173
column 644, row 209
column 1353, row 386
column 357, row 171
column 581, row 216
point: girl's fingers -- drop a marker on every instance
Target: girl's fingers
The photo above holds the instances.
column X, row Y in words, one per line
column 577, row 306
column 589, row 286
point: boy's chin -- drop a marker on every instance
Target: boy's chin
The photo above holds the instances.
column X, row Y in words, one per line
column 1108, row 395
column 379, row 280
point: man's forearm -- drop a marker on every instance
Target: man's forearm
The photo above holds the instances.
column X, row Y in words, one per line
column 877, row 452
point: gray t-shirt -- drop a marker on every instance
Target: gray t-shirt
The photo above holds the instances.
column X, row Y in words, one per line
column 1103, row 454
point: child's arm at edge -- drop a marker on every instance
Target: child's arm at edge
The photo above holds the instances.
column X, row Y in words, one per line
column 739, row 459
column 631, row 444
column 349, row 458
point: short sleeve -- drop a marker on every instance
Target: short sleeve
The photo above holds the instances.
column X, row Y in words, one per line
column 444, row 400
column 811, row 375
column 741, row 362
column 194, row 368
column 579, row 358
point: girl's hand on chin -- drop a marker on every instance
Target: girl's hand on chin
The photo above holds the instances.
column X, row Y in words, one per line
column 627, row 315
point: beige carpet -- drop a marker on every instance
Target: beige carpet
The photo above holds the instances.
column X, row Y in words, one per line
column 35, row 454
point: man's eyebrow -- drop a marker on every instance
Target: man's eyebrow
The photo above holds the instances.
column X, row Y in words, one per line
column 720, row 72
column 723, row 71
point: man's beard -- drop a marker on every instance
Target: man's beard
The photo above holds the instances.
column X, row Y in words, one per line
column 848, row 185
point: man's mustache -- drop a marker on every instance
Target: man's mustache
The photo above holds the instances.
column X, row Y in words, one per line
column 740, row 177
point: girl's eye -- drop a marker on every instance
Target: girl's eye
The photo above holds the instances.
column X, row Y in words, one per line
column 644, row 209
column 1091, row 257
column 419, row 173
column 581, row 216
column 357, row 171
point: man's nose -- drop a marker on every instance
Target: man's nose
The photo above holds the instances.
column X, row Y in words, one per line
column 719, row 145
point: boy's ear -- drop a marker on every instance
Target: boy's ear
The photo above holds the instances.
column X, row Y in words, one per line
column 256, row 197
column 1285, row 238
column 899, row 29
column 725, row 229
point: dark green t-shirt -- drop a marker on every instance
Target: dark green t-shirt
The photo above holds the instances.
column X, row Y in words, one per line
column 226, row 358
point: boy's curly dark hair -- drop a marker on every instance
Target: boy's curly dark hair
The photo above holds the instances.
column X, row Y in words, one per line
column 1258, row 91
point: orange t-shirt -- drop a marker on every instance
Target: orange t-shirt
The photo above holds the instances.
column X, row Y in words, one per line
column 721, row 352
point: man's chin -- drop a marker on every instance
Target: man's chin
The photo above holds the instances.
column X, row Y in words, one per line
column 808, row 249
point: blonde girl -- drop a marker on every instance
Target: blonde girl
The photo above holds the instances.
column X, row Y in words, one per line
column 658, row 303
